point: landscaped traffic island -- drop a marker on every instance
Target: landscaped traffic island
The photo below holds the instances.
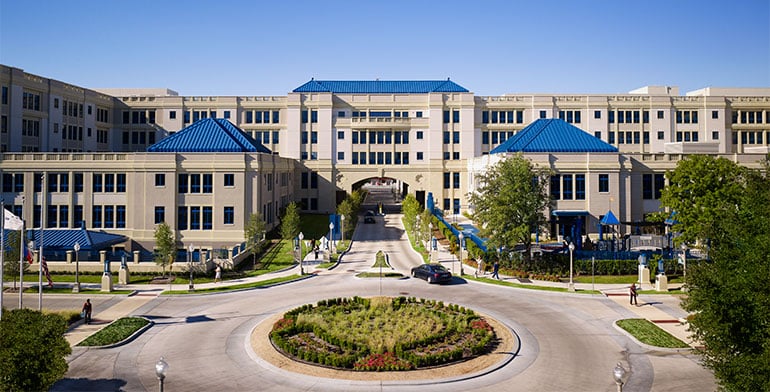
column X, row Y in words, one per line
column 382, row 334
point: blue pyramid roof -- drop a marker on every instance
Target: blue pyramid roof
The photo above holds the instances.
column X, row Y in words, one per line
column 553, row 135
column 209, row 135
column 64, row 239
column 380, row 86
column 610, row 219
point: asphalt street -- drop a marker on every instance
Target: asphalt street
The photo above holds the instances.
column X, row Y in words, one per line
column 568, row 342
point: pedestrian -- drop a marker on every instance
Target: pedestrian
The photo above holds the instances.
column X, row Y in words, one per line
column 632, row 294
column 480, row 269
column 495, row 269
column 315, row 250
column 218, row 274
column 87, row 311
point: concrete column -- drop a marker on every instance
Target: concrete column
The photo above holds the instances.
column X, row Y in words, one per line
column 69, row 257
column 136, row 257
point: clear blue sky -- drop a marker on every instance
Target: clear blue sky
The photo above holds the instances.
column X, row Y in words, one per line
column 228, row 47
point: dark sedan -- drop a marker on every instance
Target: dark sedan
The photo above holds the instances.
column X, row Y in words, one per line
column 433, row 273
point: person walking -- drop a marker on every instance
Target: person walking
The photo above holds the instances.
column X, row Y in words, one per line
column 87, row 307
column 495, row 269
column 218, row 274
column 632, row 294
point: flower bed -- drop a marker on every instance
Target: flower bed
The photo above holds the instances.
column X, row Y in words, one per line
column 382, row 333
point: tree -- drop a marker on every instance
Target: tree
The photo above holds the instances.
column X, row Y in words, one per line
column 290, row 222
column 411, row 208
column 253, row 232
column 703, row 191
column 511, row 203
column 33, row 350
column 351, row 218
column 12, row 264
column 165, row 247
column 727, row 293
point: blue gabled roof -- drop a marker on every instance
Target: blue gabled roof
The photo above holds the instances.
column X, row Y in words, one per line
column 64, row 239
column 380, row 87
column 553, row 135
column 209, row 135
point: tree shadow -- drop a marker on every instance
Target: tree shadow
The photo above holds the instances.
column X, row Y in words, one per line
column 85, row 384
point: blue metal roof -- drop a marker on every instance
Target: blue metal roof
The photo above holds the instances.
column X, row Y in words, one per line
column 64, row 239
column 209, row 135
column 553, row 135
column 380, row 86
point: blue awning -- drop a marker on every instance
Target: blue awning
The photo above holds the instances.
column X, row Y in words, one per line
column 610, row 219
column 569, row 213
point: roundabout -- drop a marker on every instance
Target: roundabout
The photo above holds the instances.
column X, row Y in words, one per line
column 504, row 350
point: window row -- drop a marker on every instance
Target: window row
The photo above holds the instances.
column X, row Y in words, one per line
column 502, row 117
column 60, row 182
column 30, row 127
column 454, row 204
column 496, row 137
column 195, row 218
column 386, row 114
column 138, row 116
column 377, row 137
column 455, row 116
column 260, row 116
column 455, row 180
column 313, row 116
column 629, row 137
column 106, row 182
column 455, row 137
column 378, row 158
column 264, row 136
column 102, row 136
column 69, row 108
column 751, row 117
column 195, row 183
column 139, row 137
column 108, row 217
column 102, row 115
column 313, row 180
column 69, row 132
column 570, row 116
column 751, row 137
column 630, row 116
column 686, row 116
column 687, row 136
column 568, row 187
column 652, row 185
column 30, row 101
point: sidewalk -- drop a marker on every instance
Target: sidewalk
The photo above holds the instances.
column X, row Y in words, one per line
column 615, row 292
column 144, row 293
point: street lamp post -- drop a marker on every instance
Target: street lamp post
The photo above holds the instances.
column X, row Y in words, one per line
column 342, row 228
column 417, row 238
column 430, row 238
column 301, row 237
column 619, row 374
column 76, row 288
column 190, row 250
column 571, row 250
column 684, row 262
column 160, row 370
column 331, row 238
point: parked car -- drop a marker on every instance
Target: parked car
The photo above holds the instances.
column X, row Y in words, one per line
column 369, row 219
column 433, row 273
column 369, row 213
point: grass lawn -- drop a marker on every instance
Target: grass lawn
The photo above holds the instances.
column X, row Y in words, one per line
column 222, row 288
column 649, row 333
column 117, row 331
column 528, row 286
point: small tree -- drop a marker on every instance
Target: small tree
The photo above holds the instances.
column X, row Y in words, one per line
column 253, row 232
column 346, row 209
column 511, row 203
column 411, row 208
column 33, row 350
column 165, row 247
column 290, row 222
column 11, row 267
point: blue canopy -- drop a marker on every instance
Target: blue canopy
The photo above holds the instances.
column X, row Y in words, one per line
column 610, row 219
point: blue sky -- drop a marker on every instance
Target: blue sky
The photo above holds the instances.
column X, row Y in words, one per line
column 229, row 47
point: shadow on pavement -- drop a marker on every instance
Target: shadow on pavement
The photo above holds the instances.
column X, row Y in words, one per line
column 84, row 384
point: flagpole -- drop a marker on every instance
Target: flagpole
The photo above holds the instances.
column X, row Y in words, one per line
column 2, row 256
column 21, row 256
column 40, row 244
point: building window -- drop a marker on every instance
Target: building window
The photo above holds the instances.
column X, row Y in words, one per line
column 419, row 135
column 182, row 185
column 96, row 217
column 120, row 217
column 446, row 137
column 597, row 114
column 446, row 180
column 340, row 155
column 542, row 114
column 456, row 180
column 340, row 135
column 715, row 135
column 580, row 186
column 555, row 187
column 160, row 180
column 660, row 115
column 419, row 155
column 160, row 214
column 714, row 114
column 229, row 215
column 604, row 183
column 567, row 187
column 229, row 180
column 456, row 137
column 446, row 116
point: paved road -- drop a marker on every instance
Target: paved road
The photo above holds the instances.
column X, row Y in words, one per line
column 568, row 341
